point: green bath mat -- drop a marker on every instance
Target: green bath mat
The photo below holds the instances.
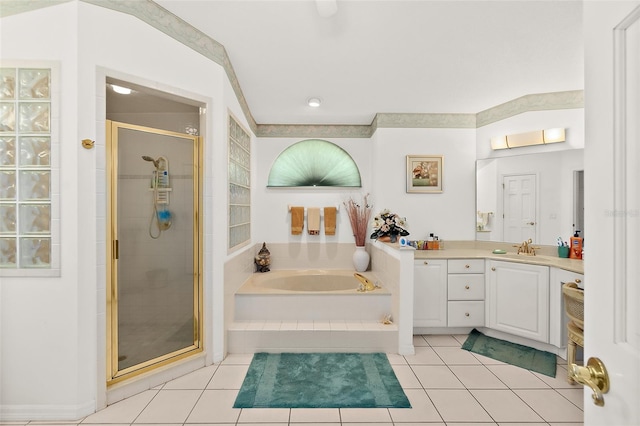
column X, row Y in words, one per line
column 321, row 380
column 511, row 353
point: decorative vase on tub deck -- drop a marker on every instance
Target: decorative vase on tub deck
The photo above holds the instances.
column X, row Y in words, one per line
column 360, row 259
column 263, row 259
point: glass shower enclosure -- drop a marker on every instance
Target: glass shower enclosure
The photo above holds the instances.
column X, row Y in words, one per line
column 154, row 294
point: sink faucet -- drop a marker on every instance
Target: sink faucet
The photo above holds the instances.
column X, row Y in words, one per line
column 526, row 248
column 365, row 283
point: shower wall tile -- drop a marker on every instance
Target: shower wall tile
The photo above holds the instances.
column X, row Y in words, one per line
column 311, row 256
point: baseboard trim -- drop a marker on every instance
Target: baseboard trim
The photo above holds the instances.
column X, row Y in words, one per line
column 29, row 412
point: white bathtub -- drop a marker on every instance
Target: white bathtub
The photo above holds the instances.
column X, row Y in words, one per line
column 310, row 295
column 304, row 281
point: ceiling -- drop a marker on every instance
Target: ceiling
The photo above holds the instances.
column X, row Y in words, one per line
column 391, row 56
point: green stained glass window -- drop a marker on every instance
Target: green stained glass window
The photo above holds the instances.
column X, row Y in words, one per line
column 314, row 162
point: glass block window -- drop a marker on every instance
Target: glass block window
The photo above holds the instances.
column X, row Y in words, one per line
column 239, row 185
column 25, row 168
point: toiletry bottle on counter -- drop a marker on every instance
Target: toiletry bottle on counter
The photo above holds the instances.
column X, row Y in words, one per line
column 575, row 246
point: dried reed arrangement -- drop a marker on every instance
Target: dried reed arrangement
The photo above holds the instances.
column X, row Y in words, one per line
column 359, row 215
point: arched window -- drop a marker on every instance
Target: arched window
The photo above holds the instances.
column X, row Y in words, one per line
column 314, row 162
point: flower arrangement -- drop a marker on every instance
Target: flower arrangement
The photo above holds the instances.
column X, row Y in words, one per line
column 359, row 215
column 389, row 224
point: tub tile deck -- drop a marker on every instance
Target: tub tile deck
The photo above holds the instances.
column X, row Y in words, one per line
column 254, row 336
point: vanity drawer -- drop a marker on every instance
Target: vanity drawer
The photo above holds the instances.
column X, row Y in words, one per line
column 466, row 266
column 466, row 286
column 465, row 314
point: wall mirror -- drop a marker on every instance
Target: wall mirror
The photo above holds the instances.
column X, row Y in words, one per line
column 537, row 196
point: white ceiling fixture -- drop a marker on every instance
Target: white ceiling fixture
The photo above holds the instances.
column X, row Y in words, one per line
column 121, row 89
column 314, row 102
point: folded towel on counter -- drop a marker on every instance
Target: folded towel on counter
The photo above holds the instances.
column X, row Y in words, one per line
column 330, row 221
column 297, row 220
column 313, row 220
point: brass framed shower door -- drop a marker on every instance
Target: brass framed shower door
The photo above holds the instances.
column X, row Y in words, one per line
column 154, row 275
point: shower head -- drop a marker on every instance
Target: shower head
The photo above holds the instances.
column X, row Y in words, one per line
column 155, row 162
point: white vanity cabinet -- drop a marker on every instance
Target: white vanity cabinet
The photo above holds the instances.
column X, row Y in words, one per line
column 465, row 284
column 517, row 299
column 430, row 293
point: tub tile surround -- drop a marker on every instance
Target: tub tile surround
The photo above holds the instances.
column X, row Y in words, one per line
column 302, row 255
column 254, row 326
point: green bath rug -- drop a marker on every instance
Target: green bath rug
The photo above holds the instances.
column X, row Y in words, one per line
column 321, row 380
column 512, row 353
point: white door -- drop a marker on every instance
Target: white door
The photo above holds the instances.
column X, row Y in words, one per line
column 612, row 206
column 519, row 207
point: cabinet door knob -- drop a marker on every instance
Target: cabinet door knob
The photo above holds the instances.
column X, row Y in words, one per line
column 466, row 287
column 426, row 263
column 578, row 280
column 493, row 268
column 466, row 314
column 466, row 266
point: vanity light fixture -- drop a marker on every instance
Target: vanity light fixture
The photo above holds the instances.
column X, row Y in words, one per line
column 314, row 102
column 537, row 137
column 121, row 90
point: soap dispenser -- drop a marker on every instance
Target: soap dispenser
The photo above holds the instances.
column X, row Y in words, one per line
column 575, row 251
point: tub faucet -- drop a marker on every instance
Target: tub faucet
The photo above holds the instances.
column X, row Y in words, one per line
column 365, row 283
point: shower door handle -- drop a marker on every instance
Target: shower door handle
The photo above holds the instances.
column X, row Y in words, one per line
column 116, row 249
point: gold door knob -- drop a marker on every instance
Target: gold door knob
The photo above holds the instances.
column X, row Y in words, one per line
column 593, row 375
column 493, row 268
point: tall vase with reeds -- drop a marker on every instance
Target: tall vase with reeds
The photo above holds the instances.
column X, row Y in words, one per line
column 359, row 214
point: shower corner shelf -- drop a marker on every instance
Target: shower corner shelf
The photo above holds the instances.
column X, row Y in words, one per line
column 161, row 189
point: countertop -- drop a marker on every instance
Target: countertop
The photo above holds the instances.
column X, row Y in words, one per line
column 484, row 249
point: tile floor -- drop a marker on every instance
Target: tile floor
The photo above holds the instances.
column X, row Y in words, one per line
column 445, row 384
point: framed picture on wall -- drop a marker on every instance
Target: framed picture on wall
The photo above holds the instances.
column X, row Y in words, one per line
column 424, row 173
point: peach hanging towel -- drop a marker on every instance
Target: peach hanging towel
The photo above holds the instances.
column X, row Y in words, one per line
column 330, row 221
column 297, row 220
column 313, row 220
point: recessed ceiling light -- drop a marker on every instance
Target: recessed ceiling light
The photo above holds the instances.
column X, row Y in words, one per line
column 314, row 102
column 121, row 90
